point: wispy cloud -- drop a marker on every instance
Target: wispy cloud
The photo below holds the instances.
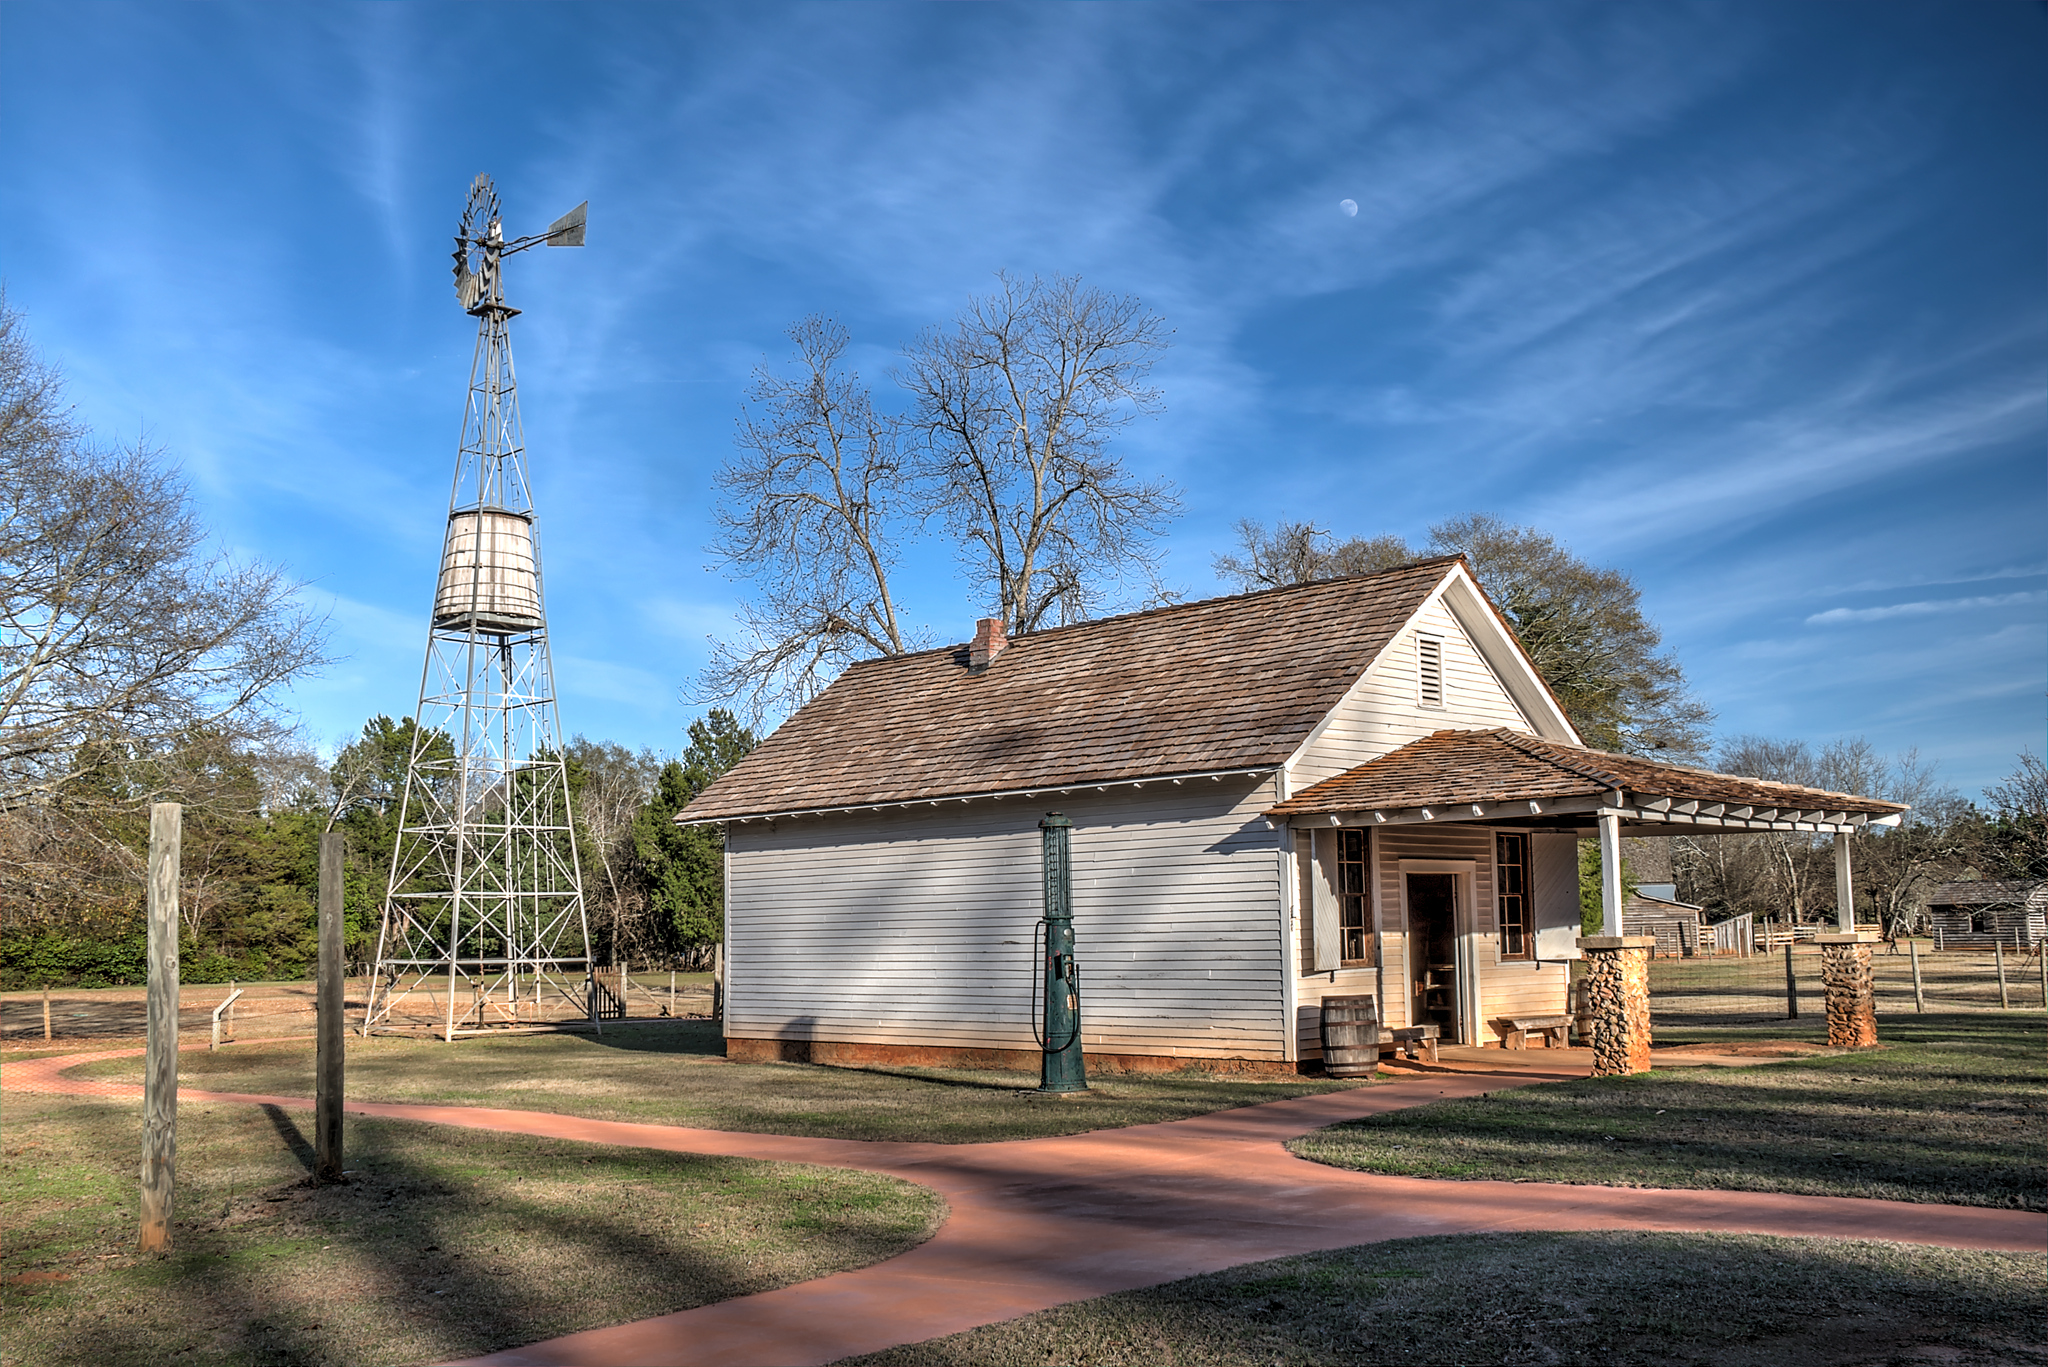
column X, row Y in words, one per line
column 1924, row 608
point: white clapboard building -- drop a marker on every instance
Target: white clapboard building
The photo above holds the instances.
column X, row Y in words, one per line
column 1355, row 786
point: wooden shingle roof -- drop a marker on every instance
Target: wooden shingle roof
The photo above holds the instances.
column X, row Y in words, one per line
column 1990, row 892
column 1223, row 685
column 1452, row 768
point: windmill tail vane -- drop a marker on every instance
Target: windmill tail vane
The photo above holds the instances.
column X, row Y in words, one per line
column 483, row 925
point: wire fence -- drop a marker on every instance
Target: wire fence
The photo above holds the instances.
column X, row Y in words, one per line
column 1774, row 987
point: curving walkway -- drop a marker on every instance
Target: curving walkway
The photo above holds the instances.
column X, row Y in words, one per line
column 1040, row 1222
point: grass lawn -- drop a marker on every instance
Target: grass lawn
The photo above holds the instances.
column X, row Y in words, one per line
column 444, row 1242
column 1952, row 1111
column 1668, row 1299
column 676, row 1074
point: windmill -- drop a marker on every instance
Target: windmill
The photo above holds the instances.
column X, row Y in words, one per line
column 483, row 922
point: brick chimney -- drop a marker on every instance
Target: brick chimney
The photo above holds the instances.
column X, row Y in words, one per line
column 989, row 641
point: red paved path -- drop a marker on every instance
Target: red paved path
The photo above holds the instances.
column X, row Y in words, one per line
column 1037, row 1223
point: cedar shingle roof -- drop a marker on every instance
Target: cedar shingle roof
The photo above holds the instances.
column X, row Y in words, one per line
column 1452, row 767
column 1224, row 684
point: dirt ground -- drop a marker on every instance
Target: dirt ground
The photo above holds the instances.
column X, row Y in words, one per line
column 264, row 1011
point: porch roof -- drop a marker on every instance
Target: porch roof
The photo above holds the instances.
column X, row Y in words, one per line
column 1502, row 776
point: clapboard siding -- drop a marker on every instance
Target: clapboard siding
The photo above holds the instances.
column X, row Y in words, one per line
column 1506, row 987
column 914, row 926
column 1383, row 711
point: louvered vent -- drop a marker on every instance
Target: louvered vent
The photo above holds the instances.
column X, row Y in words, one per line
column 1429, row 658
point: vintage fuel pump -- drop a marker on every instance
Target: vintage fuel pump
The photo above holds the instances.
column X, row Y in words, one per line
column 1064, row 1069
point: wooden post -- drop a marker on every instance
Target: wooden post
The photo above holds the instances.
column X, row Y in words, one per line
column 1919, row 998
column 1791, row 987
column 1845, row 890
column 1998, row 957
column 46, row 1015
column 718, row 981
column 1610, row 874
column 671, row 994
column 327, row 1005
column 160, row 1078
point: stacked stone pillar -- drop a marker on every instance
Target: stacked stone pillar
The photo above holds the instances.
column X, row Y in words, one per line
column 1618, row 995
column 1851, row 995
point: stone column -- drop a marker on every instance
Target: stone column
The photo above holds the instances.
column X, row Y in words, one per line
column 1852, row 997
column 1618, row 995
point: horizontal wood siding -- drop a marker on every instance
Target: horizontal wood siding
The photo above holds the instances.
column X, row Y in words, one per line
column 1383, row 711
column 914, row 926
column 1506, row 988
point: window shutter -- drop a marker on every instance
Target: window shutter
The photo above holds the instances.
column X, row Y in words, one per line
column 1554, row 891
column 1323, row 899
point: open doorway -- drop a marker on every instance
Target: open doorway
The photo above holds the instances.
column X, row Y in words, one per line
column 1433, row 952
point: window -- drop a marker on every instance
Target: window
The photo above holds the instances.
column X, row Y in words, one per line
column 1429, row 667
column 1354, row 902
column 1511, row 896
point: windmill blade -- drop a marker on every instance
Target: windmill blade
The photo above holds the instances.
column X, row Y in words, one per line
column 567, row 231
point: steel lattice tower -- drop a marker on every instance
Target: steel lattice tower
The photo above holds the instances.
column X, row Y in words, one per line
column 483, row 917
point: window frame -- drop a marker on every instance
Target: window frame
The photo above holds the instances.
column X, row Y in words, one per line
column 1524, row 920
column 1429, row 644
column 1366, row 926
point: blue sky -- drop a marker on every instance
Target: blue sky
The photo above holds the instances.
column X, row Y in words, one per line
column 1746, row 299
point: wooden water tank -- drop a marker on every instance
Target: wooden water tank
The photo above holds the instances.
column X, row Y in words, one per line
column 488, row 572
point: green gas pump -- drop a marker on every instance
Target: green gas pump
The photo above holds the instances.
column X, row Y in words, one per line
column 1064, row 1070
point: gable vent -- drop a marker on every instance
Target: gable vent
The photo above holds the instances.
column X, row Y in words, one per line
column 1429, row 665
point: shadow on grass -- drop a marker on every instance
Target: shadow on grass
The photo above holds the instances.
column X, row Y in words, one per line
column 1953, row 1112
column 289, row 1133
column 433, row 1250
column 704, row 1039
column 1673, row 1299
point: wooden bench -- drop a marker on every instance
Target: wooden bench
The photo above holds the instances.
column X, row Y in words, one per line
column 1515, row 1031
column 1414, row 1040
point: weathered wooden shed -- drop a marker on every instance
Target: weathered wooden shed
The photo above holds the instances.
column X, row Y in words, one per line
column 1654, row 910
column 1987, row 910
column 1356, row 786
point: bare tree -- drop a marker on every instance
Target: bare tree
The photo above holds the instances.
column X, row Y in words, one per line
column 609, row 784
column 1302, row 553
column 121, row 635
column 1014, row 407
column 811, row 513
column 1789, row 875
column 1582, row 625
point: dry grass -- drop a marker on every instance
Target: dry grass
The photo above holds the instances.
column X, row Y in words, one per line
column 1953, row 1111
column 444, row 1242
column 1676, row 1300
column 676, row 1074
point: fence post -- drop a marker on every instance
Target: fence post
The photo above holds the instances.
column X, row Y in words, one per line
column 1791, row 987
column 328, row 1050
column 160, row 1079
column 1919, row 999
column 46, row 1015
column 1998, row 957
column 671, row 993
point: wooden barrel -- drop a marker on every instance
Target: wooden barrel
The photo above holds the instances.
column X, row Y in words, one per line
column 1351, row 1036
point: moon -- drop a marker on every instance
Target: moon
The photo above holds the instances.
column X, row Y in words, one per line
column 1349, row 206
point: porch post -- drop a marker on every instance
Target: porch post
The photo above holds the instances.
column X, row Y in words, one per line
column 1851, row 993
column 1845, row 891
column 1618, row 995
column 1610, row 875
